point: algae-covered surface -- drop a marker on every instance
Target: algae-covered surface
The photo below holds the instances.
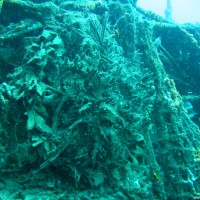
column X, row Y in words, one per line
column 98, row 100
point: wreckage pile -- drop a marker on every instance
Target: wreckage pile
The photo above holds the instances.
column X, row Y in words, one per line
column 89, row 105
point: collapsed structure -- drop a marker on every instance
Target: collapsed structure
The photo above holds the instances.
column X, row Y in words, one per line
column 89, row 102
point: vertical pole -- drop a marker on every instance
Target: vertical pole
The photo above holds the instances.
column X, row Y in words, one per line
column 168, row 11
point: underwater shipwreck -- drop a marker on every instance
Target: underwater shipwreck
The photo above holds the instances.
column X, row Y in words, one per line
column 98, row 100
